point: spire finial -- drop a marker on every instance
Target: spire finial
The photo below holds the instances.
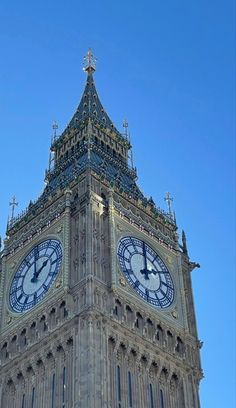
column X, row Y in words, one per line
column 168, row 200
column 54, row 128
column 184, row 243
column 127, row 136
column 125, row 126
column 13, row 204
column 89, row 62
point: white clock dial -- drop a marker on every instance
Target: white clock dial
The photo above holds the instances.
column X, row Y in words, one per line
column 35, row 275
column 146, row 272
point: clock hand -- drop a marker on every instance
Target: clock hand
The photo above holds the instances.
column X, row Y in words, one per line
column 35, row 259
column 35, row 276
column 145, row 271
column 145, row 256
column 42, row 267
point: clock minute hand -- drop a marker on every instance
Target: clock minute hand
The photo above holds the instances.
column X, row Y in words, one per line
column 35, row 260
column 145, row 271
column 145, row 256
column 36, row 274
column 42, row 267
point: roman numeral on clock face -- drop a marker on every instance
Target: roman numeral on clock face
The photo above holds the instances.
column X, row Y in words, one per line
column 166, row 285
column 27, row 263
column 15, row 290
column 145, row 271
column 35, row 275
column 36, row 253
column 19, row 297
column 26, row 299
column 136, row 284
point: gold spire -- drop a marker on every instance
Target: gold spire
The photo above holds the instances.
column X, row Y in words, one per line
column 89, row 62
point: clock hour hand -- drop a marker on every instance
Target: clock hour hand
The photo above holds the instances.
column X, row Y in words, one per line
column 147, row 272
column 36, row 274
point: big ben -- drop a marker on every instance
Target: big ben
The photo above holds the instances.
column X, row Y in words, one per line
column 96, row 301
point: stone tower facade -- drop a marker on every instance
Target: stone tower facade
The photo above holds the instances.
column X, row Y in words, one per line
column 96, row 300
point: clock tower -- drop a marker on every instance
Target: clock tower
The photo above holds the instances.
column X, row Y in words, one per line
column 96, row 299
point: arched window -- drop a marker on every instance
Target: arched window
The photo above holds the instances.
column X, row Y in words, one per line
column 63, row 308
column 179, row 346
column 161, row 399
column 23, row 338
column 33, row 398
column 129, row 314
column 63, row 386
column 151, row 396
column 159, row 333
column 139, row 321
column 53, row 390
column 118, row 307
column 118, row 383
column 130, row 389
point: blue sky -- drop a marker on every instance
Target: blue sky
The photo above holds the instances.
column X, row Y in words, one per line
column 169, row 68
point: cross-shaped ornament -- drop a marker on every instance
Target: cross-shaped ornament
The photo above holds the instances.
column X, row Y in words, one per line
column 125, row 126
column 54, row 127
column 90, row 62
column 13, row 204
column 168, row 200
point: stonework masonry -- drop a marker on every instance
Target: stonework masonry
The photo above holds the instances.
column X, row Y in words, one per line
column 90, row 340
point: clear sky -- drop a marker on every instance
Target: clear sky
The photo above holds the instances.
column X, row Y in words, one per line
column 168, row 67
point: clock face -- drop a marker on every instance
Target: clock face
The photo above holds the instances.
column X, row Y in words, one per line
column 146, row 272
column 35, row 275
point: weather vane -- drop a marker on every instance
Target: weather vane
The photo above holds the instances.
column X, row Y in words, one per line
column 168, row 200
column 13, row 204
column 89, row 62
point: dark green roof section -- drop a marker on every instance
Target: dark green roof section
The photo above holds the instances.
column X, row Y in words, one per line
column 90, row 107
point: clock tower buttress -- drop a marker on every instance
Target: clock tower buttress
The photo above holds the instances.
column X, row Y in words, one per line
column 96, row 299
